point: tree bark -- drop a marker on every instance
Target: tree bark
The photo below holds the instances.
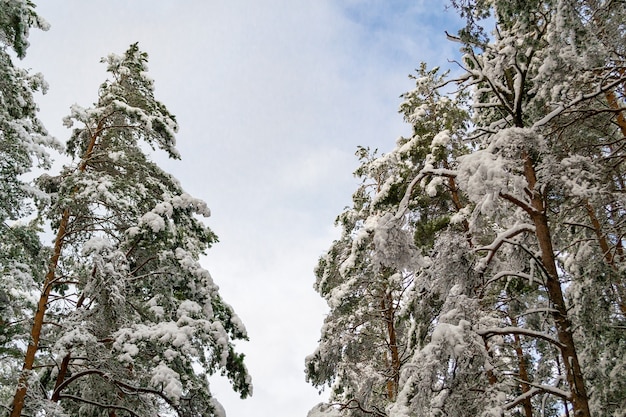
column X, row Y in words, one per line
column 617, row 284
column 33, row 346
column 523, row 372
column 49, row 281
column 571, row 363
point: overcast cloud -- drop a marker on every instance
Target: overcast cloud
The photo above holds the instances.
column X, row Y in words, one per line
column 273, row 97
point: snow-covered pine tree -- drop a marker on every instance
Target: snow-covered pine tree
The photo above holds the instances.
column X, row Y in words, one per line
column 128, row 323
column 589, row 40
column 23, row 138
column 374, row 276
column 518, row 309
column 363, row 280
column 542, row 86
column 23, row 143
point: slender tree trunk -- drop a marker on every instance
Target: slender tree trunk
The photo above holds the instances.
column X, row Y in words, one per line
column 571, row 363
column 491, row 376
column 617, row 284
column 456, row 200
column 33, row 346
column 558, row 368
column 49, row 281
column 614, row 104
column 61, row 377
column 523, row 372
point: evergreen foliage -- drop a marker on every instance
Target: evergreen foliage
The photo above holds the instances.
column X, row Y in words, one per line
column 24, row 144
column 512, row 189
column 119, row 317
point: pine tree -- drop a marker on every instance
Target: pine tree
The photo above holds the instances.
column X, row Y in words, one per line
column 128, row 321
column 372, row 277
column 540, row 85
column 517, row 307
column 23, row 145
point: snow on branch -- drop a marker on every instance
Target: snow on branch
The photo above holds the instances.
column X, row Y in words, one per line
column 404, row 204
column 499, row 241
column 421, row 175
column 537, row 389
column 579, row 99
column 504, row 274
column 113, row 381
column 354, row 404
column 510, row 330
column 519, row 203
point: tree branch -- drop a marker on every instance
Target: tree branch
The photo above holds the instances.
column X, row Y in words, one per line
column 503, row 331
column 101, row 405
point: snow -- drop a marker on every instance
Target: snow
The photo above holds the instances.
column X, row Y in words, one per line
column 170, row 354
column 156, row 309
column 188, row 308
column 153, row 221
column 324, row 410
column 431, row 187
column 218, row 409
column 163, row 377
column 96, row 244
column 185, row 200
column 441, row 139
column 451, row 336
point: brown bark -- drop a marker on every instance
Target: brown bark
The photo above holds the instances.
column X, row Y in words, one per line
column 61, row 377
column 523, row 372
column 49, row 282
column 33, row 346
column 618, row 285
column 571, row 364
column 614, row 104
column 456, row 200
column 491, row 376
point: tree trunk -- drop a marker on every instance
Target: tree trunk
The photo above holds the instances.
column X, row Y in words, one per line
column 49, row 281
column 61, row 377
column 571, row 364
column 523, row 372
column 617, row 284
column 33, row 346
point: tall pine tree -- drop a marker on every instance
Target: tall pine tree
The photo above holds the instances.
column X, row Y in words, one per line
column 128, row 321
column 517, row 307
column 24, row 143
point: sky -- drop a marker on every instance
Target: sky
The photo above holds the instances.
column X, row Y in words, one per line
column 272, row 97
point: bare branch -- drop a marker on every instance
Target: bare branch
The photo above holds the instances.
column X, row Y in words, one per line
column 101, row 405
column 503, row 331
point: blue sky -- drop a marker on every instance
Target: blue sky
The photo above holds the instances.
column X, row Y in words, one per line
column 272, row 97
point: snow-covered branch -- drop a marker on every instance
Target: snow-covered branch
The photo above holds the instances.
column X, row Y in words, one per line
column 535, row 390
column 579, row 99
column 504, row 274
column 499, row 241
column 130, row 388
column 519, row 203
column 511, row 330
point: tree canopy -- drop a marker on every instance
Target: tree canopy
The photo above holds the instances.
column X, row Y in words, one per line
column 118, row 317
column 480, row 270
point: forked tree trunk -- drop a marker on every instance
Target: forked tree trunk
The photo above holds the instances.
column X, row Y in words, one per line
column 33, row 346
